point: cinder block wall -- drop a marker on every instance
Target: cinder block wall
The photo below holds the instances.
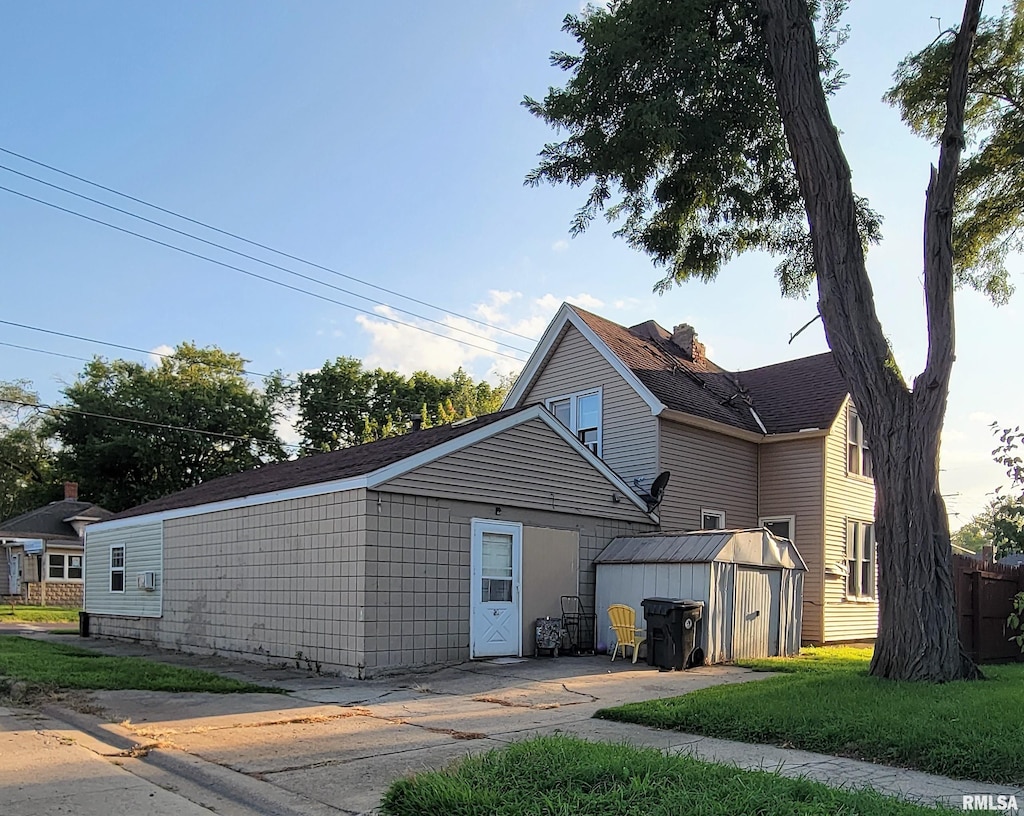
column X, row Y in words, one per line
column 277, row 582
column 418, row 573
column 65, row 594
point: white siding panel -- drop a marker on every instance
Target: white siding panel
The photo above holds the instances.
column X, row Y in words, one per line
column 845, row 497
column 710, row 471
column 143, row 552
column 630, row 432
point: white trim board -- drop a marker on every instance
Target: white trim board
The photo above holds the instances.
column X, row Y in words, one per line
column 568, row 316
column 392, row 471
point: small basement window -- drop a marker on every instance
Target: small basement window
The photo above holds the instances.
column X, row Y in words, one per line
column 712, row 519
column 781, row 526
column 117, row 568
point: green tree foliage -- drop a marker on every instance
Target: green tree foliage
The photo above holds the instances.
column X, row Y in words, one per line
column 1007, row 511
column 120, row 464
column 703, row 127
column 343, row 404
column 989, row 218
column 671, row 115
column 27, row 478
column 1000, row 524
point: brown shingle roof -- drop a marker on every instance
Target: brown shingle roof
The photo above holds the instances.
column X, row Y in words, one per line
column 789, row 396
column 314, row 469
column 50, row 521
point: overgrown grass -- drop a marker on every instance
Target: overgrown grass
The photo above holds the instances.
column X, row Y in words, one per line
column 815, row 659
column 563, row 775
column 37, row 614
column 58, row 665
column 826, row 702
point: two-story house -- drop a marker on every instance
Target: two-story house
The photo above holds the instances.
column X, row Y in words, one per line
column 779, row 446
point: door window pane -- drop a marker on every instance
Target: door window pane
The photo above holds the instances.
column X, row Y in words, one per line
column 496, row 552
column 496, row 590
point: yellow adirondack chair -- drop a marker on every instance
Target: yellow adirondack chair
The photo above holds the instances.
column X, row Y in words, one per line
column 623, row 620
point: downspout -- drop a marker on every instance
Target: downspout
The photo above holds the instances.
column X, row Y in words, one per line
column 757, row 492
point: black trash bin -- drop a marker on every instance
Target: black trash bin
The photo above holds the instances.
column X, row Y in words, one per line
column 83, row 624
column 672, row 631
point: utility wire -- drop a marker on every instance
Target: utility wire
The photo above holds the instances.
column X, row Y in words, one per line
column 284, row 269
column 162, row 425
column 319, row 402
column 118, row 346
column 255, row 274
column 262, row 246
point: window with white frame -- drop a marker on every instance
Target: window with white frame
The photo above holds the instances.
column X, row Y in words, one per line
column 712, row 519
column 117, row 568
column 858, row 455
column 581, row 414
column 63, row 567
column 781, row 526
column 860, row 559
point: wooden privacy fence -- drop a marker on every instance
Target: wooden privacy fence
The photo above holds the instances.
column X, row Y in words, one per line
column 984, row 599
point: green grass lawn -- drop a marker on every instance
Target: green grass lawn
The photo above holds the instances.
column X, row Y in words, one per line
column 58, row 665
column 563, row 775
column 826, row 702
column 37, row 614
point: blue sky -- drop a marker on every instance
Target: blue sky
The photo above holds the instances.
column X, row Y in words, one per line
column 386, row 141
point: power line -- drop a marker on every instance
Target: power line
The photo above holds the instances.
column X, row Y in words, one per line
column 255, row 274
column 321, row 402
column 118, row 346
column 262, row 246
column 162, row 425
column 287, row 271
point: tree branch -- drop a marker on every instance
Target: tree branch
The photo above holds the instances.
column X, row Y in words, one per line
column 938, row 229
column 846, row 300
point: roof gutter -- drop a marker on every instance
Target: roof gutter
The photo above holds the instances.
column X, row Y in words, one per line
column 694, row 421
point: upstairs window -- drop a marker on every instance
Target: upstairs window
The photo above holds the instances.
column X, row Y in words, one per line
column 581, row 414
column 117, row 568
column 858, row 455
column 781, row 526
column 860, row 560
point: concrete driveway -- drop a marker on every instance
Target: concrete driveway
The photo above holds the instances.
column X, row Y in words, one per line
column 333, row 745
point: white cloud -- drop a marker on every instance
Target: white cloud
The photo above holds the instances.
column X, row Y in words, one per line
column 158, row 353
column 561, row 245
column 509, row 317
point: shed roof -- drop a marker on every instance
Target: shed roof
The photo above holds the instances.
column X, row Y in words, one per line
column 757, row 547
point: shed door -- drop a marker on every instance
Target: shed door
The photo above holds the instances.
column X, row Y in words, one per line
column 755, row 631
column 495, row 627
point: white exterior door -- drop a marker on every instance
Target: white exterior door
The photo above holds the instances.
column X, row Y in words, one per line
column 14, row 573
column 495, row 628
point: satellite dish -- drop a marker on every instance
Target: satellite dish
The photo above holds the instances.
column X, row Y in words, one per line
column 657, row 493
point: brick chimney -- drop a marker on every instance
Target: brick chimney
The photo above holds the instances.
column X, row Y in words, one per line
column 685, row 336
column 71, row 491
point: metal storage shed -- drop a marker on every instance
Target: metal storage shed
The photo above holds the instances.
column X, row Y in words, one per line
column 751, row 583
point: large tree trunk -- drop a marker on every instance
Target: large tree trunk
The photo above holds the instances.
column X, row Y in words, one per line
column 917, row 637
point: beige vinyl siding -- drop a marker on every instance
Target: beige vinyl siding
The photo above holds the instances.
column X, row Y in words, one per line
column 143, row 552
column 708, row 470
column 846, row 497
column 629, row 430
column 792, row 485
column 528, row 465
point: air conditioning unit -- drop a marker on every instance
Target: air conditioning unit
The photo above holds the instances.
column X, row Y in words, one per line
column 147, row 581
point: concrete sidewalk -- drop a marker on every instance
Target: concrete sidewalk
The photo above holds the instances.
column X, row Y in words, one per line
column 333, row 745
